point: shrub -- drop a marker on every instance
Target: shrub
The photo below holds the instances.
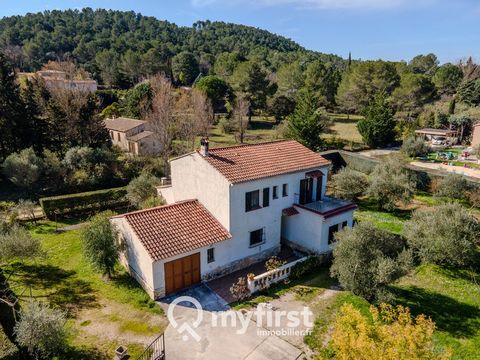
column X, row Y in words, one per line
column 415, row 147
column 41, row 330
column 101, row 243
column 349, row 184
column 393, row 334
column 453, row 186
column 16, row 242
column 23, row 169
column 83, row 203
column 305, row 267
column 448, row 234
column 474, row 197
column 389, row 184
column 239, row 289
column 367, row 259
column 274, row 263
column 141, row 188
column 226, row 126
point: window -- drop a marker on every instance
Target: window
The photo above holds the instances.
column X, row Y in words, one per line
column 285, row 190
column 111, row 135
column 252, row 200
column 331, row 233
column 275, row 192
column 256, row 237
column 210, row 255
column 118, row 136
column 266, row 197
column 344, row 224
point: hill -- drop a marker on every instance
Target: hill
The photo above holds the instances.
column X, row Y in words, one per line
column 79, row 35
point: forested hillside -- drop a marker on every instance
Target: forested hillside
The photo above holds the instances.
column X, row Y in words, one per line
column 120, row 46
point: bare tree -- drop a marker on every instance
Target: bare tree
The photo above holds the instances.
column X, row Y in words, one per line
column 240, row 116
column 202, row 112
column 161, row 115
column 187, row 129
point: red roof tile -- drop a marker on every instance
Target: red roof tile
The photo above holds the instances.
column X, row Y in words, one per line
column 175, row 229
column 256, row 161
column 290, row 211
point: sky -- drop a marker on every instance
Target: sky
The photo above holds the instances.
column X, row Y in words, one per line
column 369, row 29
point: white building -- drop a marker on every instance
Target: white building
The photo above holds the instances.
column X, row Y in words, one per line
column 228, row 208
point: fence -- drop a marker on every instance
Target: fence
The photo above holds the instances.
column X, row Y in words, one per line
column 154, row 351
column 268, row 278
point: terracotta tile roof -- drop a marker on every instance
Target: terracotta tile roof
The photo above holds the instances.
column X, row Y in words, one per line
column 256, row 161
column 314, row 174
column 289, row 211
column 122, row 124
column 175, row 229
column 141, row 135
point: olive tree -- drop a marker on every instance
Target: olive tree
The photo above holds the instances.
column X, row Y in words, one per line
column 41, row 330
column 349, row 184
column 142, row 188
column 23, row 169
column 389, row 184
column 366, row 259
column 414, row 147
column 447, row 234
column 17, row 242
column 101, row 243
column 453, row 186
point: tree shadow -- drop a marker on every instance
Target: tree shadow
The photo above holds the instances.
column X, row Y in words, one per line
column 261, row 125
column 83, row 353
column 66, row 290
column 456, row 318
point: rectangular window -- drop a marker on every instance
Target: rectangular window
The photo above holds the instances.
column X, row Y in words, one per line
column 266, row 197
column 344, row 224
column 118, row 136
column 275, row 192
column 256, row 237
column 210, row 255
column 252, row 200
column 331, row 233
column 285, row 190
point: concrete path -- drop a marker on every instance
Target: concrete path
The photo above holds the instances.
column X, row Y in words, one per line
column 241, row 339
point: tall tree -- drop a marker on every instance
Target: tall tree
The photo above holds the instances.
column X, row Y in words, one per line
column 323, row 79
column 414, row 91
column 424, row 64
column 240, row 112
column 107, row 63
column 378, row 125
column 308, row 121
column 290, row 79
column 185, row 68
column 447, row 78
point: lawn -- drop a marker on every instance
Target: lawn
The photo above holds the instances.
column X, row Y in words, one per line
column 103, row 314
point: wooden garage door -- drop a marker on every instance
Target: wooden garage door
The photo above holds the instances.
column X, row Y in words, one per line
column 182, row 273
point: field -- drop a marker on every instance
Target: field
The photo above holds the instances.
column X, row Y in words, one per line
column 103, row 314
column 264, row 129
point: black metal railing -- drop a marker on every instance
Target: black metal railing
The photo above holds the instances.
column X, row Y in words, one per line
column 154, row 351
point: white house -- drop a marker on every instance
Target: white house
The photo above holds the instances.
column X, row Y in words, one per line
column 228, row 208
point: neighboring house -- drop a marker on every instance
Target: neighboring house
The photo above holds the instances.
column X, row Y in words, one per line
column 228, row 208
column 58, row 79
column 476, row 135
column 132, row 136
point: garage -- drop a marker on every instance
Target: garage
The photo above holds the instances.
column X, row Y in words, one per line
column 182, row 273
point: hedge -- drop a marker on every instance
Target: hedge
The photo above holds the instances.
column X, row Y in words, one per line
column 83, row 203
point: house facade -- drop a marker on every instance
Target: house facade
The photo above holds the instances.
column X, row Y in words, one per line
column 56, row 79
column 259, row 197
column 132, row 136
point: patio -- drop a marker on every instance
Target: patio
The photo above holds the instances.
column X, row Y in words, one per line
column 222, row 285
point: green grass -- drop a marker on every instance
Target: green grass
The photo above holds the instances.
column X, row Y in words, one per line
column 451, row 297
column 391, row 221
column 66, row 279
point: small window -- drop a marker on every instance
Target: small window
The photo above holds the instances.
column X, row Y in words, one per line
column 118, row 136
column 256, row 237
column 252, row 200
column 344, row 224
column 111, row 135
column 210, row 255
column 275, row 192
column 266, row 197
column 285, row 190
column 331, row 233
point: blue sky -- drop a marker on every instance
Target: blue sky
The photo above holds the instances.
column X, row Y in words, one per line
column 370, row 29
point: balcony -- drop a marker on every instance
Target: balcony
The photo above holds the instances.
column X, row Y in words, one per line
column 328, row 206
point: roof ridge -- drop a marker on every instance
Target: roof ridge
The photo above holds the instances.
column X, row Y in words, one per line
column 156, row 208
column 250, row 145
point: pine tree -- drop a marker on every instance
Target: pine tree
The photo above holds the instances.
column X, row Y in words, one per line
column 308, row 122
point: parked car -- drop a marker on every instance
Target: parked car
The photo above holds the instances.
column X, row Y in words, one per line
column 439, row 140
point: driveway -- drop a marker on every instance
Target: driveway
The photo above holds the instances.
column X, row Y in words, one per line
column 242, row 340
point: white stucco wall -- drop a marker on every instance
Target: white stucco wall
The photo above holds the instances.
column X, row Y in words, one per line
column 310, row 230
column 135, row 256
column 195, row 178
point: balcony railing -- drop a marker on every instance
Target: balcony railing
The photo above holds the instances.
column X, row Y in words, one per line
column 154, row 351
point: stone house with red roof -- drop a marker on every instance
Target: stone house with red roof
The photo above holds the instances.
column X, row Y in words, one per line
column 231, row 207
